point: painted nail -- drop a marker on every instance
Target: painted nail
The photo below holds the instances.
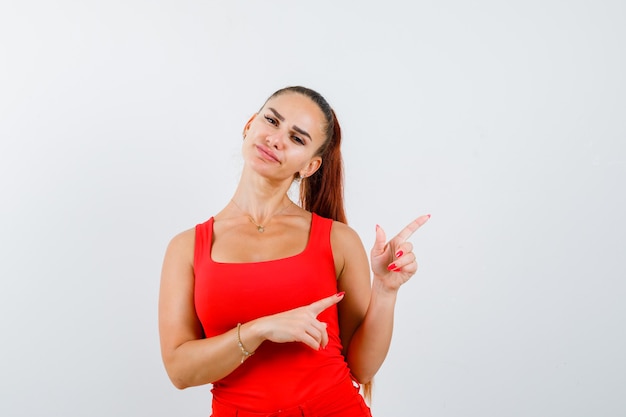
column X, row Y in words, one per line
column 397, row 269
column 399, row 254
column 428, row 216
column 391, row 267
column 340, row 294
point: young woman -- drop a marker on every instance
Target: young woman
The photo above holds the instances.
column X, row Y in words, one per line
column 270, row 301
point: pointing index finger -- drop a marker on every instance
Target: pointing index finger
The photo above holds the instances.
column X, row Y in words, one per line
column 324, row 303
column 412, row 227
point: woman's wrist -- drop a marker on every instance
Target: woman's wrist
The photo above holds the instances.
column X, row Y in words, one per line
column 382, row 288
column 250, row 336
column 245, row 353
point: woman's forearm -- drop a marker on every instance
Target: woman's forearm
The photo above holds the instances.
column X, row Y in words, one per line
column 370, row 342
column 204, row 361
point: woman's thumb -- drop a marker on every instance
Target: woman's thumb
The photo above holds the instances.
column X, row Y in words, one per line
column 379, row 243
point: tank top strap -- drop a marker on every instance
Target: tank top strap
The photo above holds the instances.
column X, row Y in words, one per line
column 319, row 238
column 204, row 238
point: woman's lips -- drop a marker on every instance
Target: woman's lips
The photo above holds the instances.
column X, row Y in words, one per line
column 266, row 153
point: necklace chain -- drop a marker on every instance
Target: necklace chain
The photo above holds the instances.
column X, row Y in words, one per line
column 259, row 227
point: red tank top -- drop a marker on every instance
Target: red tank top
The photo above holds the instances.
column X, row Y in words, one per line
column 278, row 375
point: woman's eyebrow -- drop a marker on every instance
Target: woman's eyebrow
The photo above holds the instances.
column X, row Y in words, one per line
column 296, row 128
column 302, row 132
column 278, row 115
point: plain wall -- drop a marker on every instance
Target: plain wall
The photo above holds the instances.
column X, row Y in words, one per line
column 120, row 126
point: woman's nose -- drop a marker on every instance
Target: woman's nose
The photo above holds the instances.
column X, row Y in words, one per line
column 275, row 140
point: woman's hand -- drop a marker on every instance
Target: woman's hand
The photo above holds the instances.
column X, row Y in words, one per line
column 393, row 263
column 300, row 324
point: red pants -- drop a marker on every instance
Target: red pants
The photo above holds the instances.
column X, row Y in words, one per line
column 343, row 400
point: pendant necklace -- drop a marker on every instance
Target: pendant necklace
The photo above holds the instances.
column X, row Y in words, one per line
column 259, row 227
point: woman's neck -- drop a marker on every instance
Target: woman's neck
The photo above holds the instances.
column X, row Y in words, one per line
column 261, row 200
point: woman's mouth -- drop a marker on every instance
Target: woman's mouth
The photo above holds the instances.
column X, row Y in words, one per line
column 266, row 153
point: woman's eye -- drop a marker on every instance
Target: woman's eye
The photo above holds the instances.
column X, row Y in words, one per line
column 298, row 140
column 270, row 120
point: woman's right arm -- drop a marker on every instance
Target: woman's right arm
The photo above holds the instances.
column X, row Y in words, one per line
column 189, row 358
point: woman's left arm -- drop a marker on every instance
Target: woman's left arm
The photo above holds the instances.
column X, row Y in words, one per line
column 366, row 313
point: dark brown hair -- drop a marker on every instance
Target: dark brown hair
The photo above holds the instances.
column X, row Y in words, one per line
column 322, row 192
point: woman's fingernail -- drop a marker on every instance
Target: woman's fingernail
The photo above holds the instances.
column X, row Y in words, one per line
column 377, row 227
column 428, row 216
column 340, row 294
column 391, row 267
column 399, row 254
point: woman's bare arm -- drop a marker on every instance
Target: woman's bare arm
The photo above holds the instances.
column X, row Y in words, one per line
column 189, row 358
column 367, row 312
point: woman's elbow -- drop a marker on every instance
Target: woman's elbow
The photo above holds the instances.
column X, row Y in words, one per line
column 183, row 378
column 363, row 377
column 179, row 383
column 178, row 379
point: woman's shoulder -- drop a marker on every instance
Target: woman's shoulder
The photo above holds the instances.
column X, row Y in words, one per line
column 183, row 242
column 188, row 236
column 349, row 252
column 343, row 236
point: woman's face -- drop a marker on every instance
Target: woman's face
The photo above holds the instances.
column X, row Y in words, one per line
column 283, row 137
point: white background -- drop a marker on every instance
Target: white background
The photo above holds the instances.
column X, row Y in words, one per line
column 120, row 126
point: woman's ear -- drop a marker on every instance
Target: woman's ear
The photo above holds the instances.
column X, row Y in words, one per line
column 314, row 164
column 247, row 126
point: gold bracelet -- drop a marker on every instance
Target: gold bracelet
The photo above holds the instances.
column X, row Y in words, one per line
column 244, row 353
